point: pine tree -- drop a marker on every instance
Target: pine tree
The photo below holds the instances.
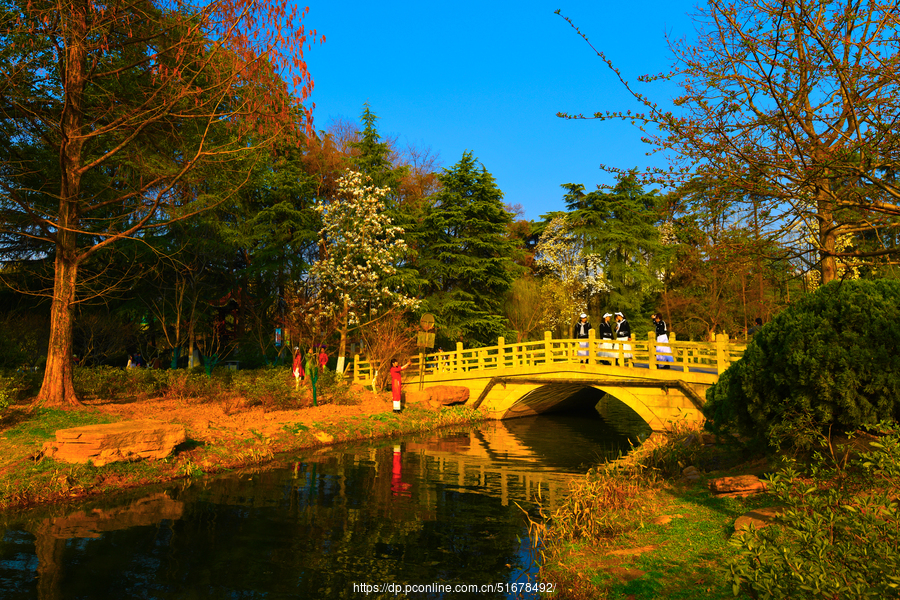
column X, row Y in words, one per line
column 466, row 255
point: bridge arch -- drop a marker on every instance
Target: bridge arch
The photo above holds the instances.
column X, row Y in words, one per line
column 562, row 396
column 658, row 403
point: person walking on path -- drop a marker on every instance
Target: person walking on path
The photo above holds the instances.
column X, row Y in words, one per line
column 397, row 382
column 623, row 333
column 581, row 332
column 323, row 358
column 606, row 333
column 663, row 353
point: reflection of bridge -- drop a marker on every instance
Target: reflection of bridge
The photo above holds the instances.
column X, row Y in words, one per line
column 520, row 379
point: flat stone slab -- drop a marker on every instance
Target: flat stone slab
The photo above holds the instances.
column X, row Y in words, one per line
column 114, row 442
column 439, row 395
column 742, row 485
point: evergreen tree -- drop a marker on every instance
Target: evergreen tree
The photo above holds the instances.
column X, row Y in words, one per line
column 619, row 232
column 372, row 156
column 466, row 256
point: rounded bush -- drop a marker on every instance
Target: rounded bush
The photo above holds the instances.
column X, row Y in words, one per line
column 831, row 357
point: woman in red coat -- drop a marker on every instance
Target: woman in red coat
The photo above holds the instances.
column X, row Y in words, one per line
column 396, row 381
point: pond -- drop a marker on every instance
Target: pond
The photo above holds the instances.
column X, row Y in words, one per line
column 443, row 515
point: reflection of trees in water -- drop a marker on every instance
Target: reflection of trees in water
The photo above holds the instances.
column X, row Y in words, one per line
column 52, row 533
column 318, row 526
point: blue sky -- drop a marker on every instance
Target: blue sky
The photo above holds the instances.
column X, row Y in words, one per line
column 490, row 77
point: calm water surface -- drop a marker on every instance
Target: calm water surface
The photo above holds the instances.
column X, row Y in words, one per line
column 447, row 508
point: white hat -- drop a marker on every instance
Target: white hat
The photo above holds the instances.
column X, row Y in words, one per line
column 606, row 315
column 620, row 314
column 582, row 316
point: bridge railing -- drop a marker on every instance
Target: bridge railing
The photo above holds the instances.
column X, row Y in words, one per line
column 713, row 357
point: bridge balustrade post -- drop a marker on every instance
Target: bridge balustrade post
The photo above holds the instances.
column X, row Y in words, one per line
column 356, row 374
column 721, row 352
column 548, row 347
column 501, row 360
column 651, row 350
column 592, row 347
column 459, row 351
column 672, row 346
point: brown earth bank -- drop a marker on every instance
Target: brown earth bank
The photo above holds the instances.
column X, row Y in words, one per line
column 221, row 435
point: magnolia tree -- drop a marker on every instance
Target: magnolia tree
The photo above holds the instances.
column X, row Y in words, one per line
column 571, row 276
column 361, row 248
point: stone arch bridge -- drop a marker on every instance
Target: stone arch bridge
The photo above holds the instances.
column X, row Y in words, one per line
column 660, row 382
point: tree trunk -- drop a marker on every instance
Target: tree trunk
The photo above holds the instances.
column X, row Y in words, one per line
column 827, row 239
column 58, row 388
column 342, row 348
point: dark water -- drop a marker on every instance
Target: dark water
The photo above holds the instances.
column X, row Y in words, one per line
column 446, row 509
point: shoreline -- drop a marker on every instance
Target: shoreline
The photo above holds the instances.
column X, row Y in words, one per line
column 219, row 439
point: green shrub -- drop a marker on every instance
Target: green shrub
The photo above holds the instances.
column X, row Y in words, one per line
column 99, row 382
column 839, row 535
column 17, row 385
column 335, row 389
column 184, row 384
column 272, row 386
column 832, row 355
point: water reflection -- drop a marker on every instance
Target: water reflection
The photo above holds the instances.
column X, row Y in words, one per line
column 430, row 509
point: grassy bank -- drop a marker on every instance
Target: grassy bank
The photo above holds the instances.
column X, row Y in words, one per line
column 636, row 529
column 27, row 479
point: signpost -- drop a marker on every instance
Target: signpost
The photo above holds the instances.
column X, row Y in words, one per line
column 424, row 339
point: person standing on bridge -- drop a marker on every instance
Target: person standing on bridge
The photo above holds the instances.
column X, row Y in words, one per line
column 664, row 353
column 397, row 382
column 581, row 332
column 623, row 333
column 606, row 333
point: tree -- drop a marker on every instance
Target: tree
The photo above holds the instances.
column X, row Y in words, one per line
column 570, row 275
column 829, row 359
column 523, row 306
column 796, row 103
column 620, row 235
column 465, row 254
column 133, row 112
column 361, row 249
column 373, row 158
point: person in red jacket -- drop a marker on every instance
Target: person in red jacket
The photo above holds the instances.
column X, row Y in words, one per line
column 396, row 381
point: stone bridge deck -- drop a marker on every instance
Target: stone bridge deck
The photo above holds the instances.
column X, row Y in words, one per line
column 660, row 382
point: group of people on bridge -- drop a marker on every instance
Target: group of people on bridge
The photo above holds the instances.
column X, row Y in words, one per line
column 620, row 332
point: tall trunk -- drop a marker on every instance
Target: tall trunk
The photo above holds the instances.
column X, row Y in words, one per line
column 58, row 388
column 342, row 349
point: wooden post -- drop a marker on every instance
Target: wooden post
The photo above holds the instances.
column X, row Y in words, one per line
column 548, row 339
column 458, row 357
column 651, row 348
column 721, row 352
column 501, row 359
column 356, row 367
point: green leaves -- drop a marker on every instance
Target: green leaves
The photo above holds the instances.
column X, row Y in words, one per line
column 829, row 359
column 465, row 254
column 838, row 538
